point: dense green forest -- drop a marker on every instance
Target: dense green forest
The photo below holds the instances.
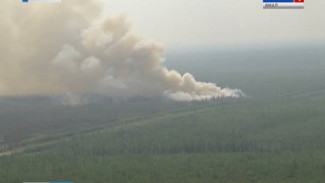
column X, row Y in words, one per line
column 274, row 134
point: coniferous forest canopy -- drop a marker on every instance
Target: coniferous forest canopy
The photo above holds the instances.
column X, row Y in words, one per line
column 274, row 134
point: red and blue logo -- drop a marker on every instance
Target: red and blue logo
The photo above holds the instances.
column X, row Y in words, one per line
column 283, row 4
column 41, row 1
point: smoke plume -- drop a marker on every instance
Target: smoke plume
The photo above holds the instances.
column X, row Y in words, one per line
column 68, row 47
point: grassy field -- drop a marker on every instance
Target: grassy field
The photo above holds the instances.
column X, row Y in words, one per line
column 276, row 134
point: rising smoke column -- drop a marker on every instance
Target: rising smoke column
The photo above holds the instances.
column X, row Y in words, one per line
column 52, row 49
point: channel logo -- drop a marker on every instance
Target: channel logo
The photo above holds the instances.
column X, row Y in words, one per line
column 48, row 182
column 283, row 4
column 41, row 1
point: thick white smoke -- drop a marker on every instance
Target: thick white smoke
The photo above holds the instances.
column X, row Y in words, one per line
column 51, row 49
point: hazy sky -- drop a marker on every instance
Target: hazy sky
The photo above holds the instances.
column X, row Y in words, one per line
column 203, row 23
